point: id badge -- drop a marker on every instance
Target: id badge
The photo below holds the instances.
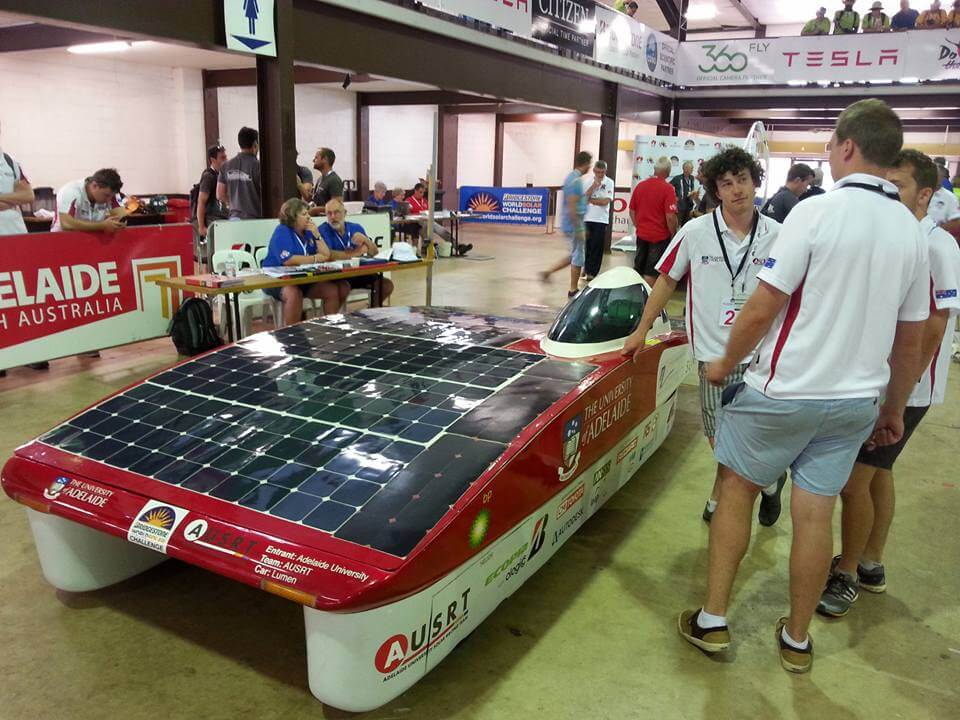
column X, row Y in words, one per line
column 729, row 309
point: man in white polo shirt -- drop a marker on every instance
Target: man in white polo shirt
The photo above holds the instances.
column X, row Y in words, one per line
column 15, row 190
column 868, row 497
column 838, row 316
column 720, row 254
column 598, row 190
column 90, row 204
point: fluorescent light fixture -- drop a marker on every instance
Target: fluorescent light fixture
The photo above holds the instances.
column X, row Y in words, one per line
column 909, row 80
column 705, row 11
column 592, row 123
column 101, row 47
column 796, row 83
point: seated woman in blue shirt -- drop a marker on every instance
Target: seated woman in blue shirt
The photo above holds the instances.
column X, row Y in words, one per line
column 296, row 241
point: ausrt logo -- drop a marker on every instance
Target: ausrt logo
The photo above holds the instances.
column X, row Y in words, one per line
column 841, row 58
column 400, row 650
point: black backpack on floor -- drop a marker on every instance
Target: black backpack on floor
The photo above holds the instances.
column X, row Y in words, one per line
column 192, row 328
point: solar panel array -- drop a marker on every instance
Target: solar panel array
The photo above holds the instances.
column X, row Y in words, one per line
column 368, row 427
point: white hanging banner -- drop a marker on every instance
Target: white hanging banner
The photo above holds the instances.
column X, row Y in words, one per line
column 512, row 15
column 250, row 26
column 625, row 43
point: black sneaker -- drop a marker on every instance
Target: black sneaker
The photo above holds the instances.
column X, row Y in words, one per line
column 840, row 594
column 3, row 373
column 707, row 513
column 464, row 248
column 874, row 581
column 769, row 511
column 42, row 365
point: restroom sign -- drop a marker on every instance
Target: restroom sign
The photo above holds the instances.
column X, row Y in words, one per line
column 249, row 26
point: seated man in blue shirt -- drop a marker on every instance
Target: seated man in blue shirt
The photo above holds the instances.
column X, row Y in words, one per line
column 347, row 240
column 296, row 241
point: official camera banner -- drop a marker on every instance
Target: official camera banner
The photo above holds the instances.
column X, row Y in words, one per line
column 920, row 54
column 623, row 42
column 72, row 292
column 506, row 206
column 569, row 24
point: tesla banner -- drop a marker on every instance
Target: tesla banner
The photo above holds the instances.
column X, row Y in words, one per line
column 507, row 206
column 71, row 292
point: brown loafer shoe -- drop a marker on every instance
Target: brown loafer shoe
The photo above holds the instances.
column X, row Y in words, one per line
column 793, row 660
column 711, row 640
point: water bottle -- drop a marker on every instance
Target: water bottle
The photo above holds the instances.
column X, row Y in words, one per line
column 230, row 266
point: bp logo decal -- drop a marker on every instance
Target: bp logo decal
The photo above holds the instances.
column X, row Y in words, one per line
column 653, row 52
column 723, row 61
column 478, row 530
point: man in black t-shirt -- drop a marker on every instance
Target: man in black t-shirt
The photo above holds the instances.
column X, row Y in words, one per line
column 208, row 207
column 329, row 186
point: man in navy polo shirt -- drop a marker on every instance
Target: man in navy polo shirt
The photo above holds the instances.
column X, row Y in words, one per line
column 347, row 240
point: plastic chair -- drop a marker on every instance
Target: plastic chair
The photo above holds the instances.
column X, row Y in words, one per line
column 276, row 306
column 248, row 300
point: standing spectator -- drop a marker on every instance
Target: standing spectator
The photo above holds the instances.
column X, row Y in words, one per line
column 933, row 18
column 816, row 185
column 90, row 204
column 786, row 198
column 238, row 186
column 575, row 207
column 15, row 190
column 720, row 256
column 819, row 25
column 906, row 19
column 953, row 19
column 685, row 187
column 304, row 181
column 868, row 497
column 945, row 207
column 653, row 207
column 956, row 185
column 330, row 186
column 628, row 7
column 876, row 20
column 208, row 207
column 941, row 162
column 811, row 396
column 706, row 202
column 599, row 193
column 846, row 21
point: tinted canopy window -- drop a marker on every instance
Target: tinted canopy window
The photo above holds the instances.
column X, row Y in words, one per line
column 599, row 315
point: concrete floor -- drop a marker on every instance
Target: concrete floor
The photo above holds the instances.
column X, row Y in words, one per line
column 592, row 635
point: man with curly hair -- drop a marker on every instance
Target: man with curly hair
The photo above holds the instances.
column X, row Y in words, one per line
column 719, row 254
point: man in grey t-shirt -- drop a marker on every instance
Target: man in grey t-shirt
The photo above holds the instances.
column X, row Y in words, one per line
column 786, row 198
column 239, row 183
column 329, row 186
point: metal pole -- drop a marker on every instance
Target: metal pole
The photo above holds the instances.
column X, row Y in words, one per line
column 432, row 194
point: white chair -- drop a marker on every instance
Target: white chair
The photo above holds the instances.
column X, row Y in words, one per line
column 276, row 306
column 248, row 300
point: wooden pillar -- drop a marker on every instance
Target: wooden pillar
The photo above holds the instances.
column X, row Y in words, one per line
column 211, row 115
column 498, row 152
column 577, row 138
column 276, row 112
column 447, row 172
column 364, row 184
column 610, row 144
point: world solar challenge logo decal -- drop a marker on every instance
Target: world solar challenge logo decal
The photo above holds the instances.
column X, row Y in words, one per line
column 483, row 202
column 155, row 524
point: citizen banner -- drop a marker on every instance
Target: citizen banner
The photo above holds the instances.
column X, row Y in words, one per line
column 71, row 292
column 569, row 24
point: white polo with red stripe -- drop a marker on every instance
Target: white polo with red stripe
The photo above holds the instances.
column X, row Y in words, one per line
column 944, row 287
column 694, row 253
column 72, row 200
column 854, row 263
column 11, row 220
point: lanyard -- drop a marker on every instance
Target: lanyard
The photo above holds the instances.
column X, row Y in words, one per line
column 746, row 254
column 872, row 188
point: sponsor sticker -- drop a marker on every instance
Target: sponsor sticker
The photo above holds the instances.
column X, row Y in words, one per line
column 770, row 262
column 155, row 524
column 84, row 492
column 570, row 501
column 945, row 294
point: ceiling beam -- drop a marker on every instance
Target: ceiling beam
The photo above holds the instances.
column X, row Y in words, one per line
column 302, row 75
column 748, row 16
column 35, row 36
column 775, row 114
column 813, row 101
column 421, row 97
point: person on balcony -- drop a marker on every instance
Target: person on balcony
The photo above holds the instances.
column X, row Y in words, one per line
column 906, row 19
column 933, row 18
column 876, row 20
column 846, row 21
column 819, row 25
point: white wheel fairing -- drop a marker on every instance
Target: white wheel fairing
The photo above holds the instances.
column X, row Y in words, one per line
column 360, row 661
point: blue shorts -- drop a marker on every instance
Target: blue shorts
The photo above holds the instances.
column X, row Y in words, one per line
column 577, row 247
column 277, row 292
column 759, row 438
